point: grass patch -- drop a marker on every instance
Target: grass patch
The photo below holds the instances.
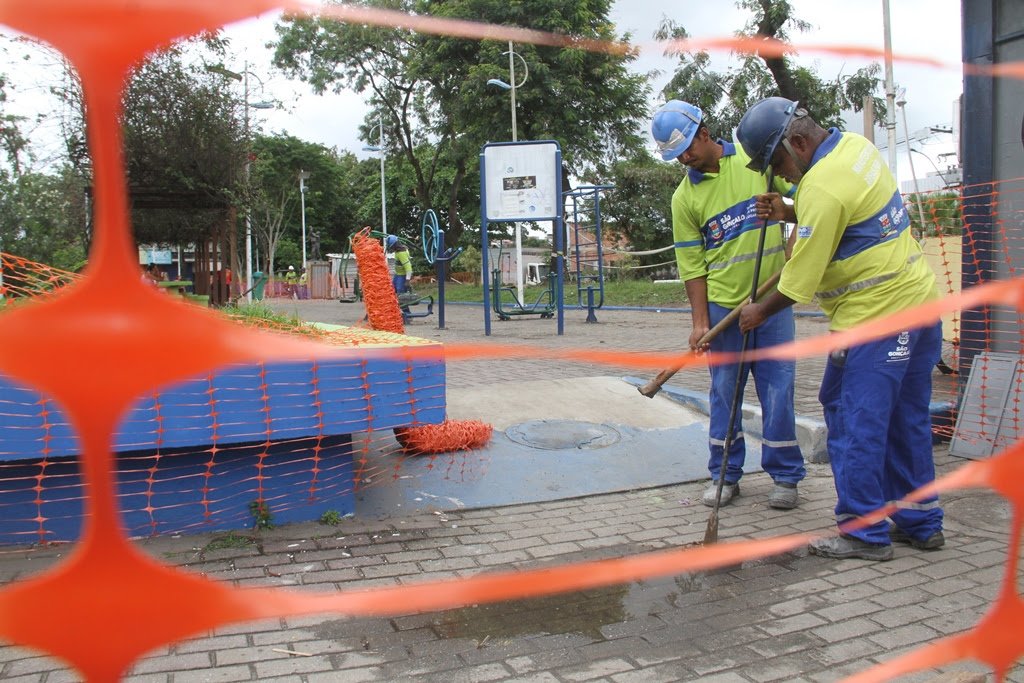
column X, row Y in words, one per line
column 231, row 540
column 258, row 311
column 330, row 518
column 621, row 293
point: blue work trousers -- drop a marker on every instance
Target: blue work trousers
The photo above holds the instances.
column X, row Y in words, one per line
column 879, row 430
column 773, row 380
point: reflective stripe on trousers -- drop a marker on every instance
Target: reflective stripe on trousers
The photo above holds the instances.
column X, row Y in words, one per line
column 879, row 430
column 780, row 454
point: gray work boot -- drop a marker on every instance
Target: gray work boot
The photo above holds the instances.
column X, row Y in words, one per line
column 729, row 491
column 933, row 542
column 784, row 496
column 847, row 547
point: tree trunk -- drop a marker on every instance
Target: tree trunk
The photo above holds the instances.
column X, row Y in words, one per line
column 769, row 27
column 455, row 226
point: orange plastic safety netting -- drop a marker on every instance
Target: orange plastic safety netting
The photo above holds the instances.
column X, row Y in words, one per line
column 106, row 603
column 21, row 278
column 384, row 314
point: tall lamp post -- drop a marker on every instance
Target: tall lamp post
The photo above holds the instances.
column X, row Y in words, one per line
column 901, row 102
column 890, row 88
column 379, row 147
column 512, row 86
column 302, row 199
column 246, row 106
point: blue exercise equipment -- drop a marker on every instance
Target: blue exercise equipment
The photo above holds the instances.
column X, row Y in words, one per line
column 437, row 255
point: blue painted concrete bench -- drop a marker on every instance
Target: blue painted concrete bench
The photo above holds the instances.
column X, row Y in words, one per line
column 195, row 456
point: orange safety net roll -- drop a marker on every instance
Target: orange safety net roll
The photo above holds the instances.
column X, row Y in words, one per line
column 384, row 314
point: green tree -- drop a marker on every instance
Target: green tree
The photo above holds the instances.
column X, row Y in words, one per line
column 942, row 210
column 42, row 215
column 639, row 208
column 184, row 139
column 430, row 91
column 184, row 149
column 724, row 96
column 331, row 208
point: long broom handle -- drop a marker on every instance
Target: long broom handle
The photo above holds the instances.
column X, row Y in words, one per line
column 711, row 532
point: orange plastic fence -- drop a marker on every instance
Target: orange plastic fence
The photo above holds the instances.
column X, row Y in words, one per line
column 21, row 278
column 106, row 603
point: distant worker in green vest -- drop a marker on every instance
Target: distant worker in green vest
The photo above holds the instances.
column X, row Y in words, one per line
column 403, row 264
column 403, row 267
column 291, row 280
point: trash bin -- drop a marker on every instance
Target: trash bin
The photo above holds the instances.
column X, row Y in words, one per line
column 259, row 281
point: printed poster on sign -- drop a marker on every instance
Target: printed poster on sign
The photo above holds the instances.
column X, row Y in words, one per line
column 521, row 182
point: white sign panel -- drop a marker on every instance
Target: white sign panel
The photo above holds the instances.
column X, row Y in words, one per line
column 152, row 255
column 521, row 182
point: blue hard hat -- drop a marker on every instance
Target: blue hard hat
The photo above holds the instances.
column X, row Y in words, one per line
column 674, row 126
column 392, row 240
column 762, row 128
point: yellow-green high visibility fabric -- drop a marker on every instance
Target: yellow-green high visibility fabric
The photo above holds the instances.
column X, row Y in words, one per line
column 716, row 230
column 854, row 249
column 404, row 264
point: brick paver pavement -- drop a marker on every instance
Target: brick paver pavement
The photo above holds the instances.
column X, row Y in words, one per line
column 792, row 617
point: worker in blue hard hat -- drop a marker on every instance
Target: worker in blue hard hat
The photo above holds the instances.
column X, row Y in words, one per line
column 854, row 253
column 716, row 236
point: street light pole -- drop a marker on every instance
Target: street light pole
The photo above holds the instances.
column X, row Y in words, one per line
column 246, row 106
column 512, row 83
column 383, row 194
column 379, row 148
column 511, row 87
column 248, row 212
column 302, row 199
column 901, row 103
column 890, row 89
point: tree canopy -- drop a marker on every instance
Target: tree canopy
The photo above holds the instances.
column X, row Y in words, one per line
column 187, row 145
column 724, row 96
column 430, row 93
column 639, row 208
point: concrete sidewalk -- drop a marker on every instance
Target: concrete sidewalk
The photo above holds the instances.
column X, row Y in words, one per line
column 791, row 617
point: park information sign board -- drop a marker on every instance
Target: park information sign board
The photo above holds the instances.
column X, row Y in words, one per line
column 521, row 182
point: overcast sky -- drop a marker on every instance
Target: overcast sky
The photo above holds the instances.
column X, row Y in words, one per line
column 927, row 28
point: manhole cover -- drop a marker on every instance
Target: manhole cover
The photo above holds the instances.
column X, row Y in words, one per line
column 554, row 435
column 983, row 510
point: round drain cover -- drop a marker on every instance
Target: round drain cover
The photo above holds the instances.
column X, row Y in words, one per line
column 985, row 510
column 554, row 435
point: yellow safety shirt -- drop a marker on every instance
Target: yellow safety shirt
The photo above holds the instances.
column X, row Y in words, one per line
column 854, row 249
column 716, row 230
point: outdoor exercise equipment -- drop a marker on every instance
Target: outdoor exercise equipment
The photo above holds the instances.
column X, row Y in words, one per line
column 437, row 255
column 544, row 305
column 522, row 181
column 587, row 246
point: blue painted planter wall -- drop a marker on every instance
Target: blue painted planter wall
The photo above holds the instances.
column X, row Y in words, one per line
column 264, row 421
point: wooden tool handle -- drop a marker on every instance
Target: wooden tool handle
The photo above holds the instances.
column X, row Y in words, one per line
column 654, row 386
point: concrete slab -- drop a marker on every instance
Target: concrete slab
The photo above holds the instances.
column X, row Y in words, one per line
column 646, row 443
column 589, row 399
column 810, row 432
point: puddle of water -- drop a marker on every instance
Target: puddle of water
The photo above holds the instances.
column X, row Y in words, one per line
column 582, row 612
column 587, row 612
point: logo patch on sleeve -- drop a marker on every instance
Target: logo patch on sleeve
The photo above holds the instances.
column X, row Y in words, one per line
column 804, row 231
